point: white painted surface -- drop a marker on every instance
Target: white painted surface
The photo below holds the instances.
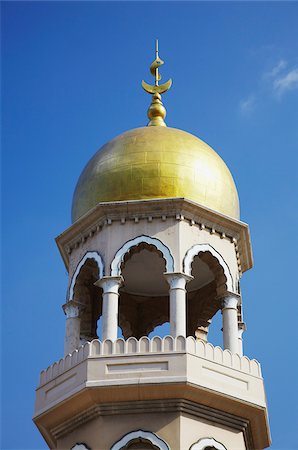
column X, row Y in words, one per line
column 230, row 324
column 201, row 248
column 145, row 346
column 110, row 300
column 221, row 377
column 89, row 255
column 140, row 434
column 177, row 282
column 137, row 367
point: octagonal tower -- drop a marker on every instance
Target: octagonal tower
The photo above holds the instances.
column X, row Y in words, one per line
column 156, row 238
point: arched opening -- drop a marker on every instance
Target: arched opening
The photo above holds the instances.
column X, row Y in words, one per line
column 207, row 444
column 144, row 294
column 140, row 444
column 80, row 447
column 90, row 296
column 140, row 440
column 205, row 291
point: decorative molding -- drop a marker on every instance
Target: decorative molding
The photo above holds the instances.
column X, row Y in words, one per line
column 119, row 257
column 177, row 280
column 89, row 255
column 110, row 285
column 230, row 301
column 140, row 434
column 202, row 248
column 179, row 405
column 80, row 446
column 72, row 309
column 157, row 209
column 206, row 443
column 156, row 345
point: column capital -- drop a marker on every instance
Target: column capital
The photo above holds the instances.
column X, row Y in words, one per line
column 72, row 309
column 109, row 284
column 230, row 300
column 177, row 280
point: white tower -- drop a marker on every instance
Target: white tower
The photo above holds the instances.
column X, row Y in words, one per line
column 156, row 238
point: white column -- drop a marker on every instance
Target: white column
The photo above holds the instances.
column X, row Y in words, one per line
column 177, row 293
column 230, row 322
column 110, row 300
column 72, row 311
column 241, row 329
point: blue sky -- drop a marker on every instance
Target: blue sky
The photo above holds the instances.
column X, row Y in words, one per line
column 71, row 74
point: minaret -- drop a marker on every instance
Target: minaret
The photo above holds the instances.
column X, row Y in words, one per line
column 156, row 238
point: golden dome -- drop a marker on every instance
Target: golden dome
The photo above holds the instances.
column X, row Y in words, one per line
column 156, row 162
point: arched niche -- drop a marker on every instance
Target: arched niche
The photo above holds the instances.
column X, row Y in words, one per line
column 160, row 246
column 89, row 255
column 132, row 439
column 144, row 294
column 207, row 444
column 211, row 281
column 82, row 289
column 196, row 250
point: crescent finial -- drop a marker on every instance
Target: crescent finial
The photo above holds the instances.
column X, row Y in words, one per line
column 156, row 111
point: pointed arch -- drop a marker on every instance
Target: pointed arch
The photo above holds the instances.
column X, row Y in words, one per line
column 89, row 255
column 119, row 257
column 201, row 248
column 152, row 438
column 207, row 443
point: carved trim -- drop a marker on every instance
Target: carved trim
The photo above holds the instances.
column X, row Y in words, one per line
column 119, row 257
column 80, row 446
column 93, row 221
column 202, row 248
column 177, row 280
column 143, row 346
column 230, row 301
column 89, row 255
column 140, row 434
column 183, row 406
column 72, row 309
column 206, row 443
column 109, row 285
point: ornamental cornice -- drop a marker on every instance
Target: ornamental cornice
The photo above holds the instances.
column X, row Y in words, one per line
column 178, row 405
column 180, row 209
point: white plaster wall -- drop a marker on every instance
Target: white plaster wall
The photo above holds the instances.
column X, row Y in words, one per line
column 178, row 236
column 112, row 237
column 192, row 235
column 193, row 429
column 102, row 432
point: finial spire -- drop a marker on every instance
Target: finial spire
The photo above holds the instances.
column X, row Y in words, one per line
column 156, row 111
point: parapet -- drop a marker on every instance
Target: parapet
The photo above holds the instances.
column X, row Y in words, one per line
column 166, row 345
